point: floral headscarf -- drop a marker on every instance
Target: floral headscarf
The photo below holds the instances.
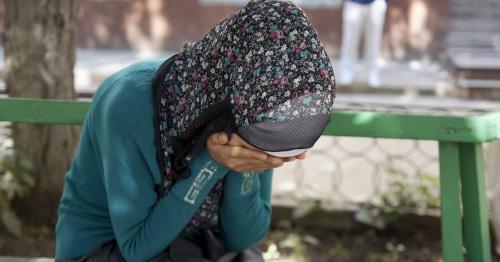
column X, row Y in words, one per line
column 263, row 64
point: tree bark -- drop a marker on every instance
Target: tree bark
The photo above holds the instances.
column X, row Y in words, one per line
column 39, row 44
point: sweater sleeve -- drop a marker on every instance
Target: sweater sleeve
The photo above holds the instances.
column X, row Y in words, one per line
column 246, row 209
column 143, row 223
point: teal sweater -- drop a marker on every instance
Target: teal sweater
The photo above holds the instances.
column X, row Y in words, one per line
column 109, row 192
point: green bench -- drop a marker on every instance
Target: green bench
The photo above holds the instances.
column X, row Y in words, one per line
column 464, row 216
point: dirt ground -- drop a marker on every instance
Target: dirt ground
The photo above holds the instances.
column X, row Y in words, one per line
column 369, row 246
column 35, row 242
column 401, row 242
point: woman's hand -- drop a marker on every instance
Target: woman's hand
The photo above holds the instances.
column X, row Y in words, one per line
column 239, row 156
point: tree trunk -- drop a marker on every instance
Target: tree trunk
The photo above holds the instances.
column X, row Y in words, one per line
column 39, row 60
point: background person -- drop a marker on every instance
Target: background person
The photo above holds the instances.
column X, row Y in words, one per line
column 361, row 18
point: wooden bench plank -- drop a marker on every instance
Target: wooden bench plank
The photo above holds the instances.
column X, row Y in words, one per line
column 478, row 83
column 474, row 59
column 475, row 25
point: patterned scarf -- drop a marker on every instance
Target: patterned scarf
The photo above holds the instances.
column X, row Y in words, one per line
column 263, row 64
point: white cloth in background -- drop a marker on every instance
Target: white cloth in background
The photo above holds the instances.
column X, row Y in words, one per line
column 366, row 20
column 493, row 188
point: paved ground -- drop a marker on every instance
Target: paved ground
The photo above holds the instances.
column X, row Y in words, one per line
column 92, row 66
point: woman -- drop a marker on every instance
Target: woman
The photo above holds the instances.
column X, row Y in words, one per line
column 175, row 158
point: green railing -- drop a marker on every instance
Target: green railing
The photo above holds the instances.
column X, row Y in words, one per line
column 464, row 217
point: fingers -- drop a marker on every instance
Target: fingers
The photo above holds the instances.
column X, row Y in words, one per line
column 240, row 158
column 289, row 159
column 245, row 153
column 252, row 165
column 223, row 138
column 275, row 160
column 250, row 168
column 218, row 138
column 301, row 156
column 254, row 168
column 228, row 151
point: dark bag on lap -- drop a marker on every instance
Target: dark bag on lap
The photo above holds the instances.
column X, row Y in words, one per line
column 204, row 246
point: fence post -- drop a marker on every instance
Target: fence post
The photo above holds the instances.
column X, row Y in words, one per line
column 451, row 214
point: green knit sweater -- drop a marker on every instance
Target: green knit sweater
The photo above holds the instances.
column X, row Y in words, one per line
column 109, row 192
